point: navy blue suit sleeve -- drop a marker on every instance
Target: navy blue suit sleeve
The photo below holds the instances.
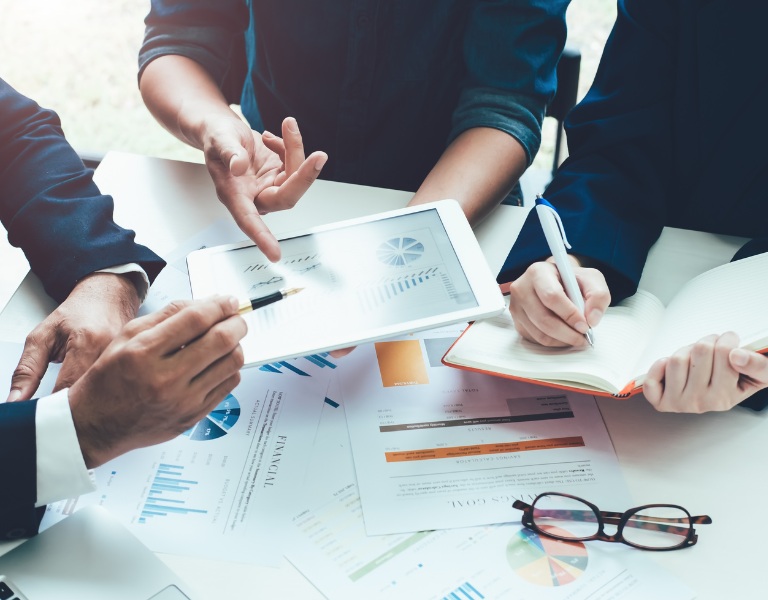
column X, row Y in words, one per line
column 50, row 205
column 612, row 191
column 18, row 471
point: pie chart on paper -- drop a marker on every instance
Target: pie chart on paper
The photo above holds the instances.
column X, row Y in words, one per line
column 216, row 423
column 544, row 561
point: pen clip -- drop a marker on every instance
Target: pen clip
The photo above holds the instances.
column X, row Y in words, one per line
column 541, row 202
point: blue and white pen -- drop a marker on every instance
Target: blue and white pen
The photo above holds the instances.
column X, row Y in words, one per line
column 555, row 234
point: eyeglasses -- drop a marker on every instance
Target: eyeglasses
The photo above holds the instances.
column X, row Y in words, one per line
column 649, row 527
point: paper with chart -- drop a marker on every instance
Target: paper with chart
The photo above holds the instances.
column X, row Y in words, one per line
column 436, row 447
column 329, row 545
column 360, row 282
column 224, row 489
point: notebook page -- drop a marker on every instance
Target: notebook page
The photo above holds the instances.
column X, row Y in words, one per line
column 494, row 344
column 732, row 297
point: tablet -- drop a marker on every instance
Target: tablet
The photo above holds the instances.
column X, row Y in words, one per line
column 362, row 280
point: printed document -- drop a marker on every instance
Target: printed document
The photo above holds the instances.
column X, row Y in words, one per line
column 224, row 489
column 438, row 448
column 328, row 544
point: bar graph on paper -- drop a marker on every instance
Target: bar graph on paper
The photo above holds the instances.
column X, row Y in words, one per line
column 466, row 591
column 168, row 494
column 304, row 366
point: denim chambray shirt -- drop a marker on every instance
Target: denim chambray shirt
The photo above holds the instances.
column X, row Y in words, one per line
column 382, row 86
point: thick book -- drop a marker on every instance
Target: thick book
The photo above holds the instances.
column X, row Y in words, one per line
column 631, row 336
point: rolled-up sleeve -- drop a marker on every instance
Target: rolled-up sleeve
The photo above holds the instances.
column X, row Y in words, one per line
column 209, row 32
column 511, row 50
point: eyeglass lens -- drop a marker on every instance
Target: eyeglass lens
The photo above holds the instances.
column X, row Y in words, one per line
column 657, row 527
column 651, row 527
column 573, row 518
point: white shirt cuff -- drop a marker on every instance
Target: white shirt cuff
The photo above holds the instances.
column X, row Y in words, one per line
column 142, row 285
column 61, row 471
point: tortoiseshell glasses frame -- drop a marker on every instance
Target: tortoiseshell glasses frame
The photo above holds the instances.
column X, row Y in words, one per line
column 651, row 527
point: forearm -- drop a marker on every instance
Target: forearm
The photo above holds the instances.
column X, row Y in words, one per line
column 182, row 96
column 478, row 169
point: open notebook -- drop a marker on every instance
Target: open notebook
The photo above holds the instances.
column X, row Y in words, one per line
column 631, row 336
column 87, row 556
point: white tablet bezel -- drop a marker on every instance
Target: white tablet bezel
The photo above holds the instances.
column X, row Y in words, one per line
column 201, row 264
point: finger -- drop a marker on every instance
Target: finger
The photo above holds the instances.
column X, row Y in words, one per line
column 218, row 341
column 597, row 297
column 286, row 193
column 294, row 146
column 238, row 162
column 249, row 221
column 529, row 330
column 676, row 375
column 750, row 364
column 32, row 366
column 189, row 324
column 76, row 362
column 216, row 395
column 231, row 152
column 653, row 386
column 220, row 370
column 701, row 363
column 341, row 352
column 557, row 317
column 275, row 144
column 722, row 371
column 136, row 326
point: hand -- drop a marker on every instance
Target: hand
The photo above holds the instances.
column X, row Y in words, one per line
column 713, row 374
column 257, row 174
column 161, row 375
column 542, row 311
column 76, row 332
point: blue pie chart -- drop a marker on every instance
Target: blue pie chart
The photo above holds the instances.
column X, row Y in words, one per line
column 218, row 422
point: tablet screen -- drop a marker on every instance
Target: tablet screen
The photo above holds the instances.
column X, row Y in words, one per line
column 357, row 280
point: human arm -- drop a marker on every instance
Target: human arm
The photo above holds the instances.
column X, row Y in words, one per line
column 55, row 213
column 50, row 205
column 160, row 375
column 510, row 53
column 612, row 193
column 479, row 184
column 253, row 173
column 713, row 374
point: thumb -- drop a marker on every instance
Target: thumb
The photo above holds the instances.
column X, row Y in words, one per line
column 29, row 372
column 597, row 297
column 229, row 151
column 751, row 364
column 238, row 161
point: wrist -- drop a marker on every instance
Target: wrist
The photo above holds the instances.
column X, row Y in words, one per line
column 200, row 122
column 93, row 441
column 118, row 290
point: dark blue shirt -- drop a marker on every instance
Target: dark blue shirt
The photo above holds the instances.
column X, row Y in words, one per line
column 383, row 86
column 667, row 136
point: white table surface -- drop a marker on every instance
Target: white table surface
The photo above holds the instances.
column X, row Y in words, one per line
column 710, row 463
